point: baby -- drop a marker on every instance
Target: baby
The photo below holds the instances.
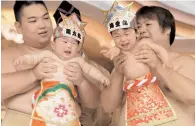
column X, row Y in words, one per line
column 55, row 102
column 145, row 103
column 129, row 47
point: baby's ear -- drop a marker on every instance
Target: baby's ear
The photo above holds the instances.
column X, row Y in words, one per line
column 137, row 33
column 80, row 47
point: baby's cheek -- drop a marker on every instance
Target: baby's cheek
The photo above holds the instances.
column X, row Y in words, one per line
column 117, row 44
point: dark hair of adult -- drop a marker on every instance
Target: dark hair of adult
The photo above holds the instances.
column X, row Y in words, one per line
column 19, row 5
column 164, row 17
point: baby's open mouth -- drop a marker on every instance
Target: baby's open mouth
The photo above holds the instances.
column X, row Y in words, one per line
column 67, row 52
column 125, row 45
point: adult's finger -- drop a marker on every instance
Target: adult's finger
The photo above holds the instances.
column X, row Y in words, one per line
column 141, row 56
column 47, row 59
column 49, row 70
column 119, row 60
column 123, row 64
column 47, row 75
column 71, row 78
column 49, row 65
column 69, row 73
column 74, row 65
column 141, row 52
column 144, row 60
column 71, row 69
column 143, row 47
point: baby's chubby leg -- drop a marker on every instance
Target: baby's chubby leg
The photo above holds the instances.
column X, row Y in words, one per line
column 93, row 72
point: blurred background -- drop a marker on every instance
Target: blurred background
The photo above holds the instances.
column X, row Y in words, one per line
column 97, row 35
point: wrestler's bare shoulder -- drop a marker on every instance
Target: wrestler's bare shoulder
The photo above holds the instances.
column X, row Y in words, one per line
column 8, row 55
column 181, row 59
column 185, row 65
column 13, row 51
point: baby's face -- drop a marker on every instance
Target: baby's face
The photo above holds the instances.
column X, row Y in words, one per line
column 65, row 47
column 125, row 39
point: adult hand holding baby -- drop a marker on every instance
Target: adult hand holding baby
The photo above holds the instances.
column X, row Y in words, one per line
column 41, row 68
column 74, row 73
column 44, row 69
column 152, row 54
column 145, row 54
column 119, row 63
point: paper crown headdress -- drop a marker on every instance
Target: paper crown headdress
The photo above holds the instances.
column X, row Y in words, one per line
column 119, row 17
column 70, row 26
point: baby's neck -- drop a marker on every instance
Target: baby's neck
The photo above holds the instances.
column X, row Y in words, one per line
column 126, row 51
column 132, row 50
column 64, row 59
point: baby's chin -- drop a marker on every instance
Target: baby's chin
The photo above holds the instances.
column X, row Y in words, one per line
column 126, row 48
column 65, row 57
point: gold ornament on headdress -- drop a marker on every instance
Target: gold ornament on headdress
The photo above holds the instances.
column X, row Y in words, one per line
column 70, row 26
column 119, row 17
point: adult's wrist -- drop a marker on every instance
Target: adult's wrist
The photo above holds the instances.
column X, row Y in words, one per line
column 118, row 73
column 159, row 66
column 80, row 81
column 32, row 74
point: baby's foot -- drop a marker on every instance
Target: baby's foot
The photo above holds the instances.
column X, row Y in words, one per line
column 111, row 53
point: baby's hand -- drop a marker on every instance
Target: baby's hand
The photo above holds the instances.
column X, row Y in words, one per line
column 105, row 81
column 111, row 53
column 21, row 63
column 105, row 53
column 20, row 60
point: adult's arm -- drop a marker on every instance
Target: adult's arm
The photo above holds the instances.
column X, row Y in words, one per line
column 179, row 78
column 13, row 82
column 180, row 82
column 111, row 97
column 89, row 94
